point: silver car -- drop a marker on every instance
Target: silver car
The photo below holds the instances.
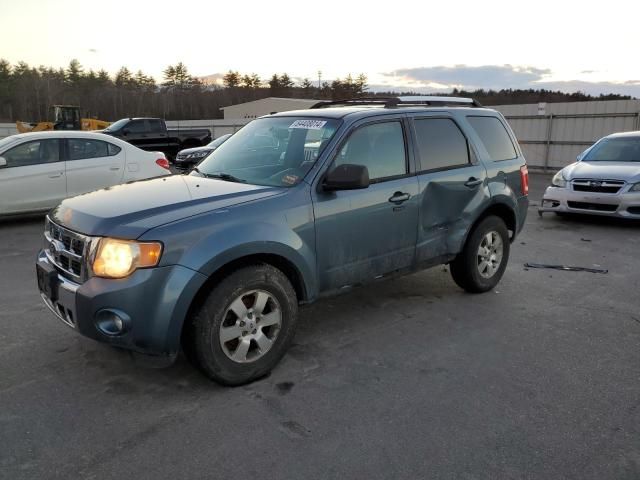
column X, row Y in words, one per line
column 605, row 180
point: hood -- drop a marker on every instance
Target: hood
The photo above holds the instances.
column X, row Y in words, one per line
column 129, row 210
column 627, row 171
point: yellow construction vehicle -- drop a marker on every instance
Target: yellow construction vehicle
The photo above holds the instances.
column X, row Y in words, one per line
column 65, row 117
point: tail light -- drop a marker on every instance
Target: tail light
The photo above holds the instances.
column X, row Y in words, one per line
column 524, row 179
column 163, row 162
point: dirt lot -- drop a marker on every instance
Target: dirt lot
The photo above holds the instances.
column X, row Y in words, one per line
column 411, row 378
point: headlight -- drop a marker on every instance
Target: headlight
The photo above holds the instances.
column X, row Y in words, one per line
column 558, row 180
column 197, row 155
column 635, row 188
column 119, row 258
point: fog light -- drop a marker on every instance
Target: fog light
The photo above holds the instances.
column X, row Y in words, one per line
column 112, row 322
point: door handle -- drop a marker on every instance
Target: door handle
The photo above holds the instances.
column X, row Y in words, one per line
column 399, row 197
column 114, row 168
column 55, row 175
column 472, row 182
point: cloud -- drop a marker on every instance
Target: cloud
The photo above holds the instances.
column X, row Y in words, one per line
column 93, row 50
column 486, row 76
column 496, row 77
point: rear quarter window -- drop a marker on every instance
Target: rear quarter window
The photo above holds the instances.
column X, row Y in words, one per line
column 494, row 137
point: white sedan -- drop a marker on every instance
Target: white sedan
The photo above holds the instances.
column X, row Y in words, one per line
column 38, row 170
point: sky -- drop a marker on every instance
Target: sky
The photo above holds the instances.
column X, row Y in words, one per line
column 417, row 45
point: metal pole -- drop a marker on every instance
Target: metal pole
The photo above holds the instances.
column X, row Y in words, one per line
column 548, row 149
column 637, row 127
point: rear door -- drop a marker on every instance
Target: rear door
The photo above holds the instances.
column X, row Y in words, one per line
column 158, row 138
column 452, row 184
column 92, row 164
column 362, row 234
column 34, row 177
column 138, row 133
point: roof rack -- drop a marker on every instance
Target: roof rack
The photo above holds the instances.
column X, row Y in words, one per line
column 406, row 101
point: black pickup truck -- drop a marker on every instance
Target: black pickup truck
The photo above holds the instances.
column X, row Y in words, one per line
column 152, row 134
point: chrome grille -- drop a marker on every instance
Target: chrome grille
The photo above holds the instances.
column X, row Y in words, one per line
column 66, row 250
column 597, row 186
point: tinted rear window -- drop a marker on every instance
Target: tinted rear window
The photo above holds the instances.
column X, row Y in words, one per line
column 494, row 137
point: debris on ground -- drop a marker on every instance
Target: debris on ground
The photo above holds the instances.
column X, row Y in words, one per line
column 566, row 268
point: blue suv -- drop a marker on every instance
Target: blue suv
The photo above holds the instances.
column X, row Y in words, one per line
column 295, row 206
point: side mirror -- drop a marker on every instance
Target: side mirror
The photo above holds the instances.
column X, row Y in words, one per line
column 346, row 177
column 3, row 162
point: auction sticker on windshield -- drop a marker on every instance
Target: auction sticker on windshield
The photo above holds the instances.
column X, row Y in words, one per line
column 308, row 124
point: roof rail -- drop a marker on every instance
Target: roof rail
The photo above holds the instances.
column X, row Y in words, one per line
column 405, row 101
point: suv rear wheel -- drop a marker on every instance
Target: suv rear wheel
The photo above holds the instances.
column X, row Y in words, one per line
column 244, row 326
column 481, row 264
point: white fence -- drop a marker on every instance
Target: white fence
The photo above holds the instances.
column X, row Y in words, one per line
column 7, row 129
column 552, row 135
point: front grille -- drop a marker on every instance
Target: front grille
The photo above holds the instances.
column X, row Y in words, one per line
column 66, row 250
column 599, row 207
column 634, row 210
column 310, row 154
column 597, row 186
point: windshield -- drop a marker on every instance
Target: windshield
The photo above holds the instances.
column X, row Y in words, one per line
column 273, row 151
column 219, row 141
column 117, row 125
column 621, row 149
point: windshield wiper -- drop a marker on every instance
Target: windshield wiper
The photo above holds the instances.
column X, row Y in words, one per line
column 221, row 176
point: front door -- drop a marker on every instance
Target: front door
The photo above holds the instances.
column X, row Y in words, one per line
column 363, row 234
column 34, row 177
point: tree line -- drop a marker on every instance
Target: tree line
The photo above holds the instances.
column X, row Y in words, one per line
column 27, row 92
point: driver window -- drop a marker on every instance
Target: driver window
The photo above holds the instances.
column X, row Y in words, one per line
column 379, row 147
column 33, row 153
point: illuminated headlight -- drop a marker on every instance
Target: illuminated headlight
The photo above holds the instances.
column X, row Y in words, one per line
column 197, row 155
column 635, row 188
column 119, row 258
column 558, row 180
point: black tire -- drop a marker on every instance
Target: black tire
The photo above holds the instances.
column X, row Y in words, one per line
column 205, row 347
column 465, row 267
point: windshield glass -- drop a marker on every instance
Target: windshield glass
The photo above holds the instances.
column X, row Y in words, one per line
column 621, row 149
column 219, row 141
column 116, row 125
column 273, row 151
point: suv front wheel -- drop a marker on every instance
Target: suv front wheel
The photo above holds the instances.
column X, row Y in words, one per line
column 481, row 264
column 244, row 326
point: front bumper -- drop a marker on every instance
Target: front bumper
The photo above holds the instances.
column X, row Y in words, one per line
column 565, row 200
column 155, row 302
